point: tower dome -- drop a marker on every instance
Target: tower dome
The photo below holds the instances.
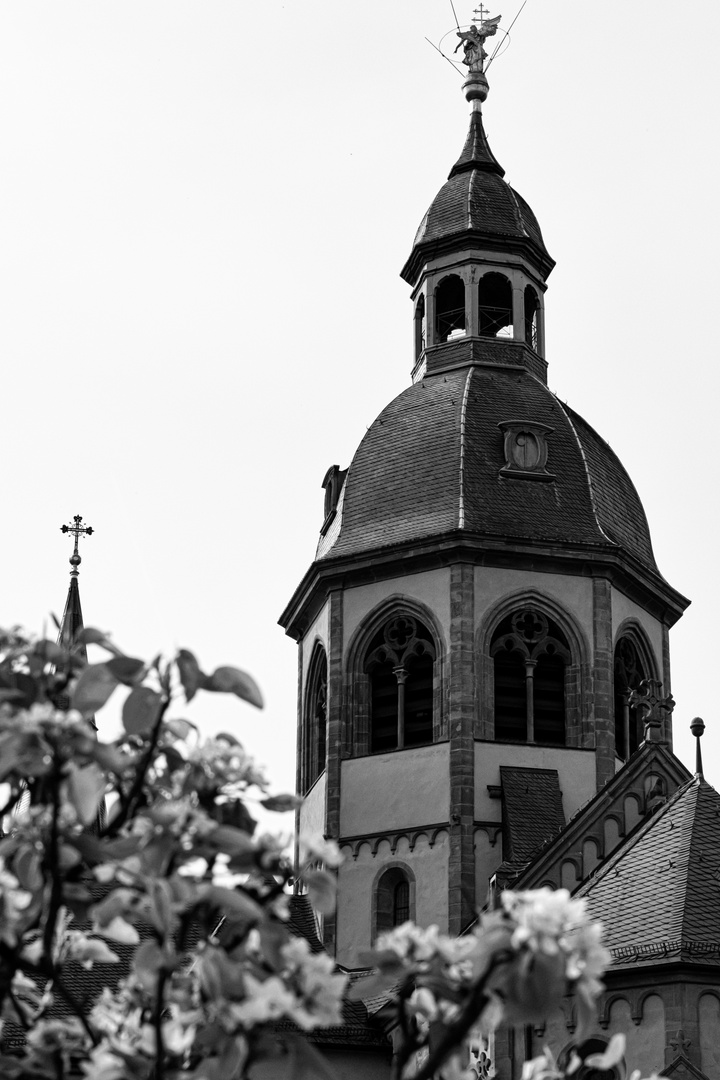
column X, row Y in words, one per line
column 486, row 454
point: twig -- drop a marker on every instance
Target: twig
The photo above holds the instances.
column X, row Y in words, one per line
column 137, row 785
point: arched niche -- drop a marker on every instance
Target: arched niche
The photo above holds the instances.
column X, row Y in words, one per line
column 450, row 315
column 495, row 306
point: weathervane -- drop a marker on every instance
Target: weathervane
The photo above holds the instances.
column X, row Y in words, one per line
column 76, row 529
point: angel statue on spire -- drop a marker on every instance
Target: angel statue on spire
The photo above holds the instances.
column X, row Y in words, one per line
column 473, row 40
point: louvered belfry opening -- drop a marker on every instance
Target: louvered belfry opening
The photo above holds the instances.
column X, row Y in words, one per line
column 401, row 665
column 530, row 656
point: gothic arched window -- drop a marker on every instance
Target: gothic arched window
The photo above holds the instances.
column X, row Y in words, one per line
column 450, row 308
column 400, row 663
column 315, row 728
column 495, row 297
column 628, row 673
column 530, row 654
column 393, row 899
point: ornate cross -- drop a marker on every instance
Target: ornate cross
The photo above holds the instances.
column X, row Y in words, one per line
column 480, row 13
column 76, row 529
column 647, row 699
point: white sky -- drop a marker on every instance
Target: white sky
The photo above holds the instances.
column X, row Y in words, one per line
column 206, row 207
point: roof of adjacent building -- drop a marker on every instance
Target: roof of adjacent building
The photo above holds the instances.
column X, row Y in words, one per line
column 477, row 201
column 532, row 811
column 665, row 882
column 431, row 465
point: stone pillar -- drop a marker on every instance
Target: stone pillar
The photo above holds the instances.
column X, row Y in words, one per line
column 430, row 334
column 334, row 738
column 300, row 753
column 461, row 708
column 518, row 298
column 472, row 305
column 667, row 688
column 602, row 682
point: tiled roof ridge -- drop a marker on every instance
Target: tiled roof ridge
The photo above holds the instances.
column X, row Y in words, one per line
column 706, row 795
column 591, row 483
column 463, row 417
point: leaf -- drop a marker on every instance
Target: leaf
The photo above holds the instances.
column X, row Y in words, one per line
column 322, row 889
column 126, row 669
column 49, row 651
column 372, row 986
column 118, row 930
column 281, row 803
column 191, row 677
column 147, row 961
column 86, row 788
column 110, row 758
column 234, row 902
column 90, row 636
column 230, row 680
column 93, row 688
column 26, row 867
column 141, row 710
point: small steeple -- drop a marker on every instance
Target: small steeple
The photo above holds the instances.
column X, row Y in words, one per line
column 72, row 620
column 698, row 727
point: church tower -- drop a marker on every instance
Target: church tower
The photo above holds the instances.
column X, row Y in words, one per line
column 484, row 595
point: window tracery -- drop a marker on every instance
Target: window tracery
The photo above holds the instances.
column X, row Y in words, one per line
column 628, row 674
column 400, row 664
column 530, row 654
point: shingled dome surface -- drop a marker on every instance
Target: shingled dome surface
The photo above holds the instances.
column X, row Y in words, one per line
column 431, row 465
column 477, row 200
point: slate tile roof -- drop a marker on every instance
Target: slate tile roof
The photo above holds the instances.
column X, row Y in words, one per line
column 659, row 895
column 532, row 811
column 476, row 199
column 437, row 448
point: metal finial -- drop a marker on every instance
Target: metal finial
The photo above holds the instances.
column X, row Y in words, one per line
column 76, row 529
column 697, row 727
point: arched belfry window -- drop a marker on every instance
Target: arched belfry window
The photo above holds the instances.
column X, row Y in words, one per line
column 394, row 899
column 315, row 728
column 530, row 655
column 450, row 308
column 400, row 664
column 628, row 672
column 495, row 306
column 420, row 327
column 532, row 316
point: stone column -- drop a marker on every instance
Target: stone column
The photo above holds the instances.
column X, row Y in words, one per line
column 602, row 682
column 461, row 709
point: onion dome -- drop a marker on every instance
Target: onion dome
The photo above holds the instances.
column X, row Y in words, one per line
column 488, row 454
column 477, row 207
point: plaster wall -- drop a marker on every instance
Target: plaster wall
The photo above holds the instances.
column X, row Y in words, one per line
column 576, row 770
column 312, row 811
column 573, row 594
column 432, row 588
column 398, row 790
column 624, row 608
column 357, row 878
column 317, row 631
